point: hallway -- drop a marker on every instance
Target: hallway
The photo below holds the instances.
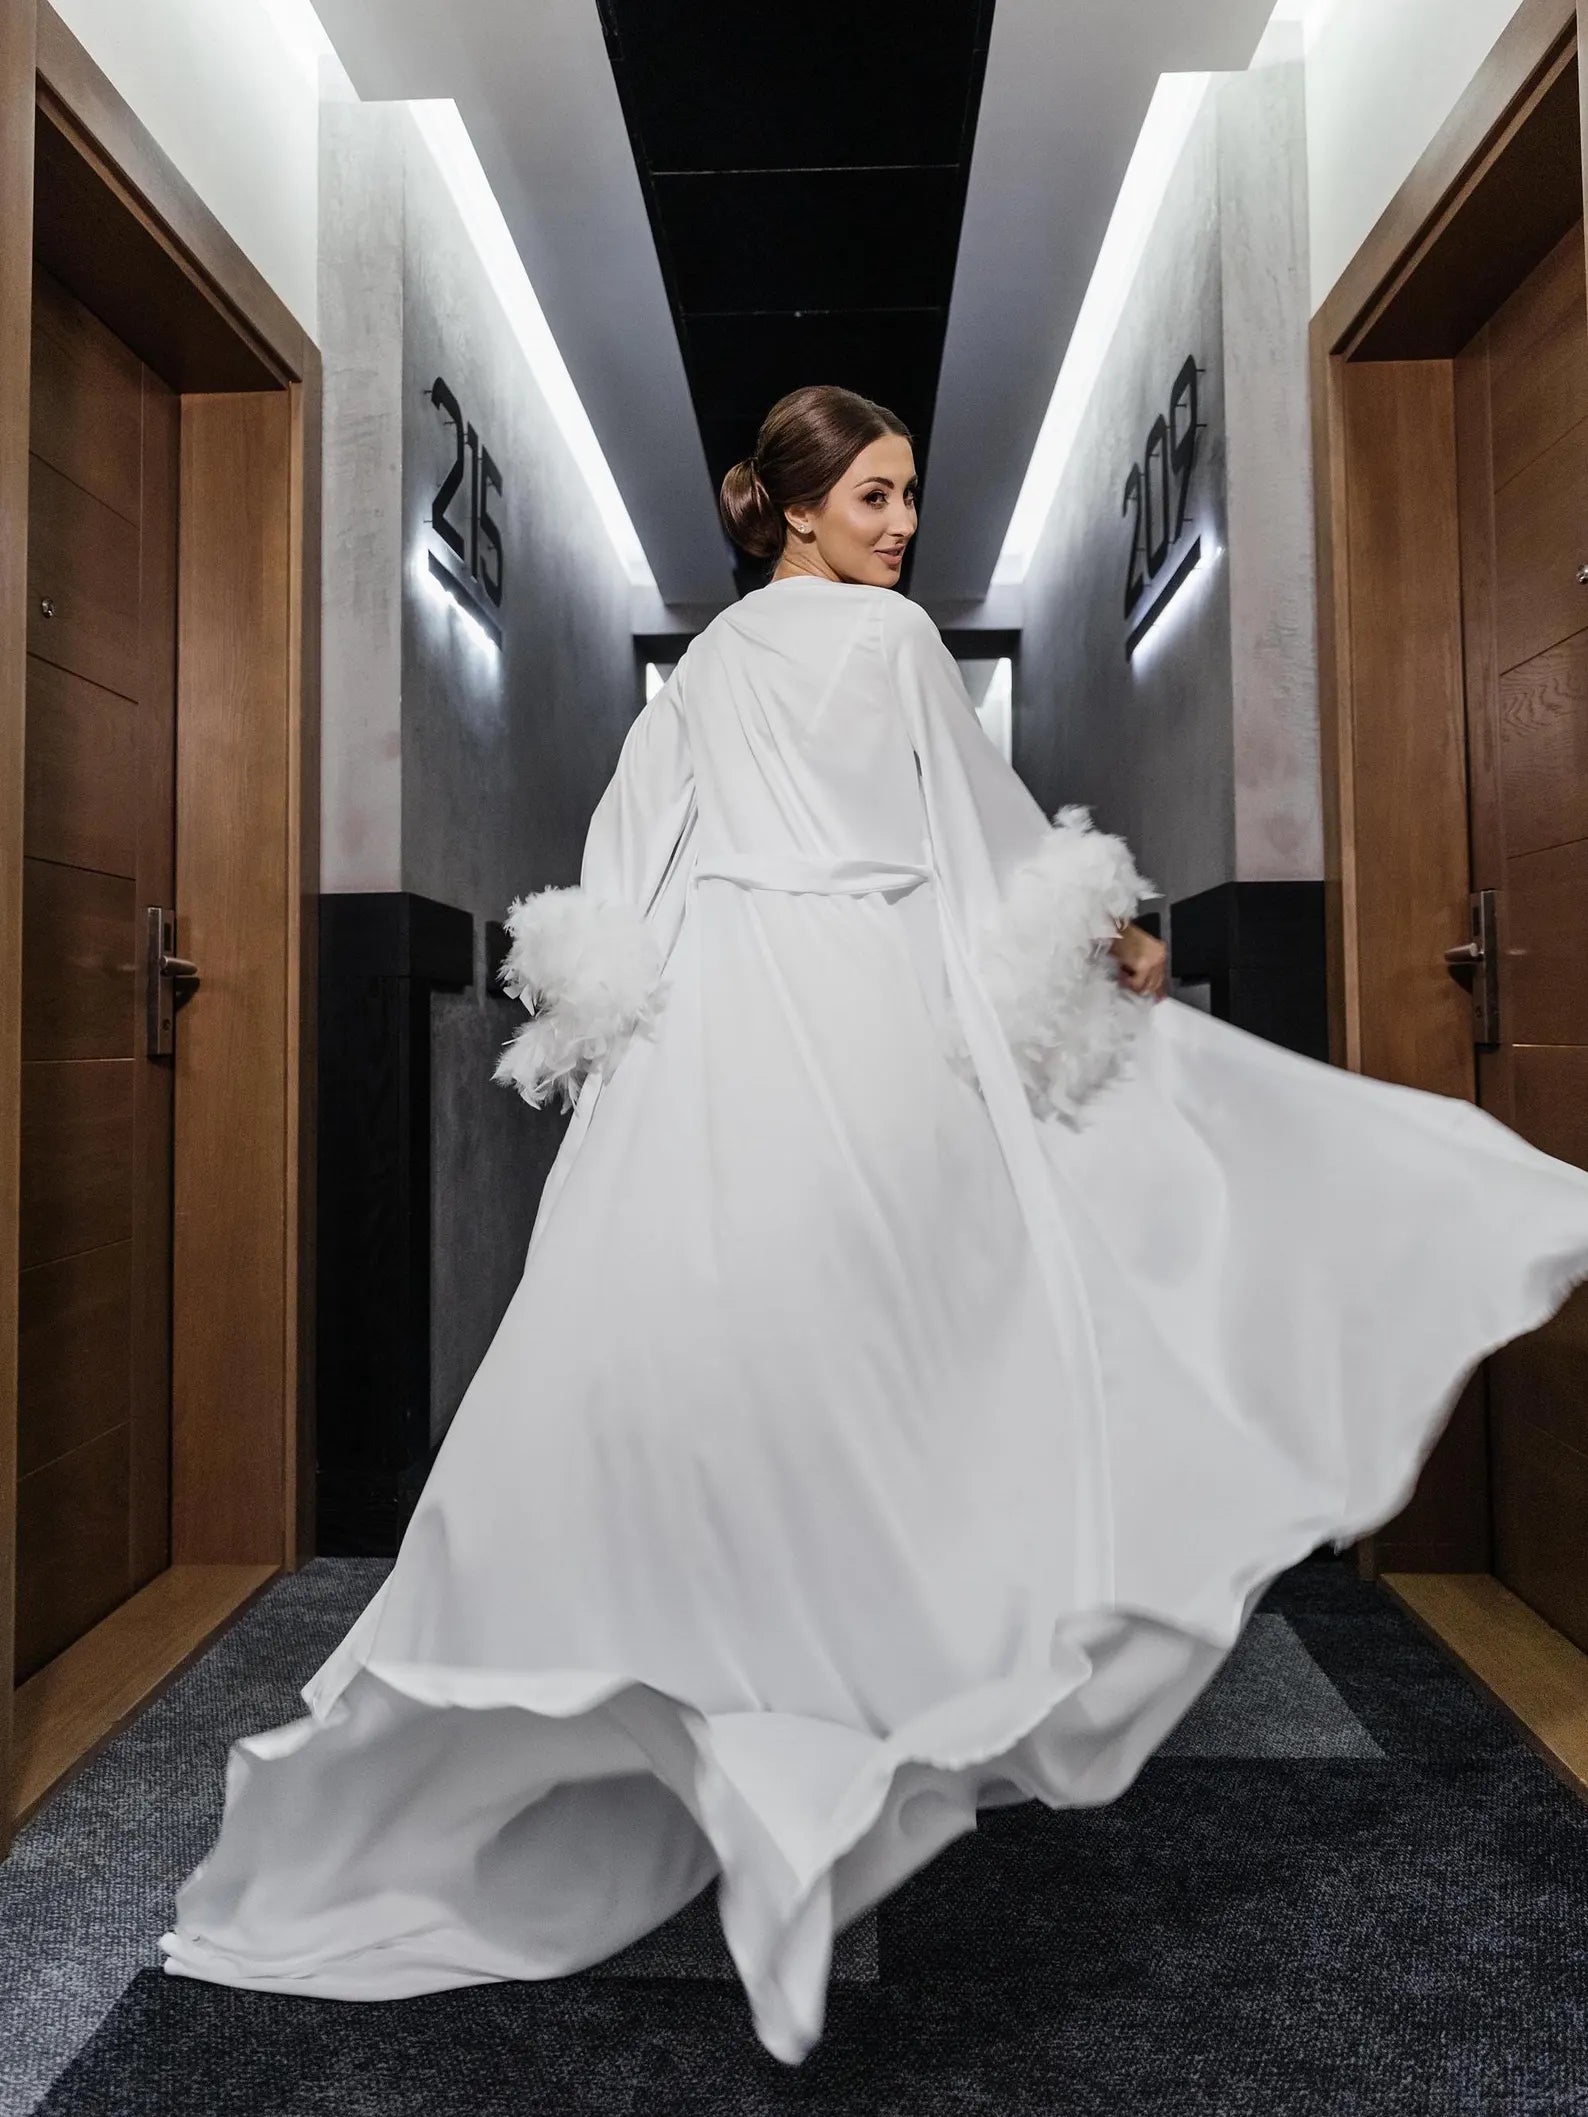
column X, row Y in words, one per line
column 372, row 373
column 1345, row 1885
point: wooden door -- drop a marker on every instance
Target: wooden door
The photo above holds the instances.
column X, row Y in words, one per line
column 94, row 1280
column 1522, row 446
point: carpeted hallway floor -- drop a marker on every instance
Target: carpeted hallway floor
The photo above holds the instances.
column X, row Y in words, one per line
column 1343, row 1889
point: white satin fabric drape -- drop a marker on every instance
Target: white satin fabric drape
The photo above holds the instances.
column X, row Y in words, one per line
column 857, row 1449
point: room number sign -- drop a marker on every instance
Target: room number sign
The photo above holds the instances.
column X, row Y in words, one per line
column 462, row 521
column 1156, row 505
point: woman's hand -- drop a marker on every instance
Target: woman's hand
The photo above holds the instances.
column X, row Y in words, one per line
column 1142, row 960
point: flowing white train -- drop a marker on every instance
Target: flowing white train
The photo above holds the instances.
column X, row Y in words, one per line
column 926, row 1355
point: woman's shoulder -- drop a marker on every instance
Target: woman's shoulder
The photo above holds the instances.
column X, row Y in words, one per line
column 800, row 597
column 904, row 619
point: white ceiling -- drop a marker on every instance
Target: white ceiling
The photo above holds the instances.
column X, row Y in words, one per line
column 1068, row 83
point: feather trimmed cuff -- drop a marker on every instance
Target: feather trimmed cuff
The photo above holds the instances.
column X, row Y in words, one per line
column 1045, row 964
column 590, row 973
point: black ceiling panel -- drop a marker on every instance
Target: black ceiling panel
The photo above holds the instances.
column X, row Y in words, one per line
column 824, row 239
column 743, row 364
column 732, row 84
column 805, row 175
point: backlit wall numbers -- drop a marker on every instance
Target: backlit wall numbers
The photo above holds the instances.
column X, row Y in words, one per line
column 1157, row 497
column 460, row 516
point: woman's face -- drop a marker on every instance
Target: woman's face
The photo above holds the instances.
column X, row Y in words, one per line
column 862, row 528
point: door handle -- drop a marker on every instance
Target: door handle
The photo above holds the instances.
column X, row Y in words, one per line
column 162, row 972
column 1481, row 956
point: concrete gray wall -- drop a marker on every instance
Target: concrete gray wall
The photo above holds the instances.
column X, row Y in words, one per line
column 361, row 297
column 1202, row 749
column 1269, row 502
column 454, row 769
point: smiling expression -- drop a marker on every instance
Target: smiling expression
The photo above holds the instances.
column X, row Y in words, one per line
column 863, row 528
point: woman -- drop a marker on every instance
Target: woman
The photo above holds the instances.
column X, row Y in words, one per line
column 931, row 1342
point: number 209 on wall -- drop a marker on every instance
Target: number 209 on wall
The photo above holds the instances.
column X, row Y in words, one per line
column 1158, row 488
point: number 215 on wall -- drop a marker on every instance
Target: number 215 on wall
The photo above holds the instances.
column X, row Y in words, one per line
column 481, row 550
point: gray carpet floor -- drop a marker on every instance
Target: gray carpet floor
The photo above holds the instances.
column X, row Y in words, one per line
column 89, row 1886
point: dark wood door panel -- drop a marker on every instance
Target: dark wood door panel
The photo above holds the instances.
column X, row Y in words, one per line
column 79, row 963
column 1545, row 993
column 1550, row 1089
column 73, row 1352
column 155, row 803
column 1541, row 540
column 1541, row 1503
column 71, row 1547
column 94, row 1355
column 83, row 565
column 1544, row 748
column 1543, row 1377
column 77, row 1157
column 1445, row 1526
column 1540, row 361
column 86, row 409
column 228, row 1484
column 1524, row 469
column 1408, row 775
column 80, row 805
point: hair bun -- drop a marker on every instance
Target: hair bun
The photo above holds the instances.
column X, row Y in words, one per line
column 748, row 514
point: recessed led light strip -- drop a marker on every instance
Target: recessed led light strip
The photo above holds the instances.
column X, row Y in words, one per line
column 447, row 137
column 1170, row 116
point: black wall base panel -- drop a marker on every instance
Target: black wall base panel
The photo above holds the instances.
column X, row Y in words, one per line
column 1260, row 947
column 381, row 956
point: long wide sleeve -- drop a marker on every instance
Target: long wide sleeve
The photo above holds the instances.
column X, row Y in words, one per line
column 1036, row 901
column 588, row 960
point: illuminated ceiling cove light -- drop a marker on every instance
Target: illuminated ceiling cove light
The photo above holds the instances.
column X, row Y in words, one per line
column 1311, row 14
column 446, row 135
column 1292, row 30
column 996, row 711
column 301, row 31
column 654, row 681
column 1170, row 115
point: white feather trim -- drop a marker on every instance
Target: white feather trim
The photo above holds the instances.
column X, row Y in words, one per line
column 590, row 973
column 1045, row 964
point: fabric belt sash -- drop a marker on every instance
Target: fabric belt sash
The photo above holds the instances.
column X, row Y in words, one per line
column 840, row 875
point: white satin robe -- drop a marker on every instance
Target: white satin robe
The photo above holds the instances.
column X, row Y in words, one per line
column 858, row 1448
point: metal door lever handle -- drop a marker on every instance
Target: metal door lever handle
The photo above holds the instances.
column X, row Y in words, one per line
column 163, row 970
column 1481, row 956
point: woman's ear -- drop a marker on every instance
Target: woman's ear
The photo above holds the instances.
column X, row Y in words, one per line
column 801, row 529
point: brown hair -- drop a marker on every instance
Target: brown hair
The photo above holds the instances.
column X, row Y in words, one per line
column 807, row 441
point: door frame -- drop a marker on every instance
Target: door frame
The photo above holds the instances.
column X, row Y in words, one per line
column 247, row 823
column 1490, row 120
column 1392, row 692
column 1392, row 652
